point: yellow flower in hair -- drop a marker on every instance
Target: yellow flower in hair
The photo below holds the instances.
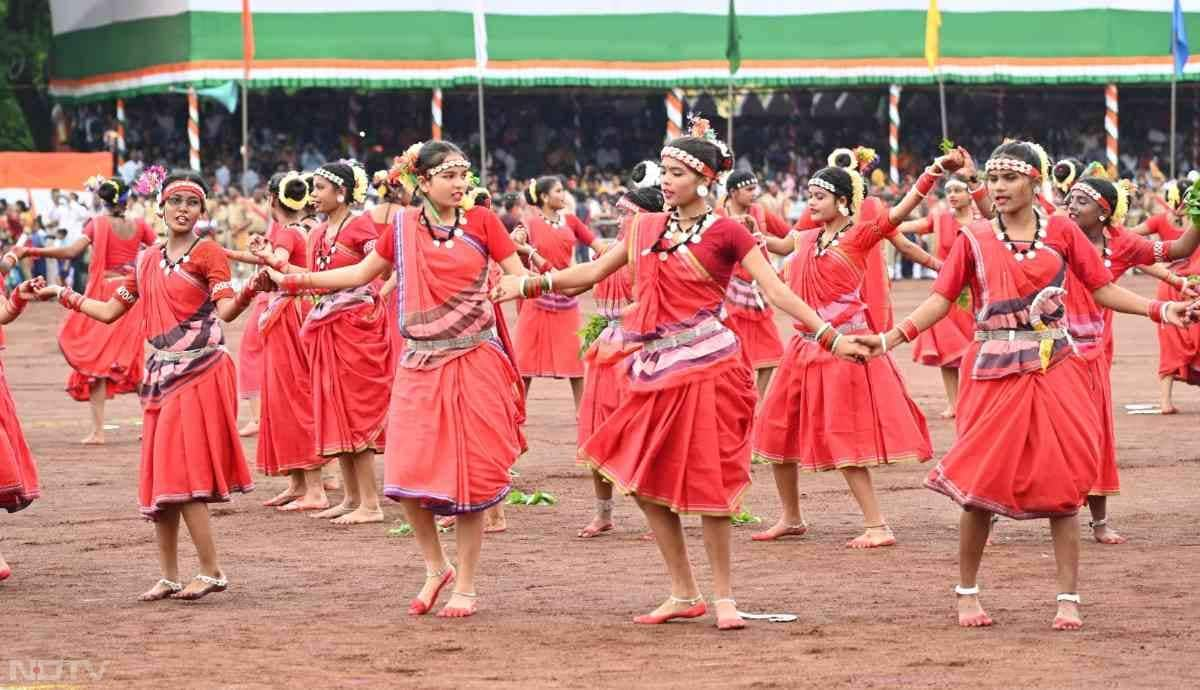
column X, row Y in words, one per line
column 360, row 182
column 294, row 204
column 1124, row 188
column 866, row 157
column 533, row 195
column 1043, row 159
column 858, row 190
column 1171, row 194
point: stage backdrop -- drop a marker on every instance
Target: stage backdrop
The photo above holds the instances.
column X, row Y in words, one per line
column 107, row 48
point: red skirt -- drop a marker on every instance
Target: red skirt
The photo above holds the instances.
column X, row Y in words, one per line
column 944, row 343
column 825, row 413
column 604, row 384
column 548, row 342
column 686, row 447
column 1108, row 481
column 285, row 436
column 114, row 352
column 454, row 431
column 1026, row 447
column 250, row 353
column 190, row 445
column 759, row 337
column 350, row 356
column 18, row 472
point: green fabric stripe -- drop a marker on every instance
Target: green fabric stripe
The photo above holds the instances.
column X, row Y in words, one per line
column 218, row 36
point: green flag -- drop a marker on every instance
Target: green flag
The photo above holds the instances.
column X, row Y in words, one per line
column 733, row 47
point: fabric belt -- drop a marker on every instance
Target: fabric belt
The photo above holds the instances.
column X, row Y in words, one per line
column 459, row 343
column 185, row 355
column 684, row 337
column 1011, row 336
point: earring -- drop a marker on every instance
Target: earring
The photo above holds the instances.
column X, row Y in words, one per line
column 702, row 191
column 1103, row 218
column 341, row 199
column 843, row 210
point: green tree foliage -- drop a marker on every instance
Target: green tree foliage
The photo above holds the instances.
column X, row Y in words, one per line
column 24, row 102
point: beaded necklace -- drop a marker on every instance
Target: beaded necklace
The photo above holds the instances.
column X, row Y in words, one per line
column 834, row 240
column 451, row 233
column 1039, row 234
column 325, row 256
column 674, row 236
column 169, row 266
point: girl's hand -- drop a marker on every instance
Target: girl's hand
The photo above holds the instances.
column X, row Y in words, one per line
column 47, row 294
column 520, row 235
column 260, row 247
column 29, row 289
column 852, row 348
column 272, row 277
column 953, row 161
column 509, row 288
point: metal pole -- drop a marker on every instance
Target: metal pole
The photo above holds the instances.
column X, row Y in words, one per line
column 1173, row 83
column 482, row 139
column 942, row 100
column 245, row 136
column 732, row 112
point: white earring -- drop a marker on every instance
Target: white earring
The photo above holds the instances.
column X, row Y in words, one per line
column 1103, row 218
column 843, row 210
column 341, row 199
column 702, row 191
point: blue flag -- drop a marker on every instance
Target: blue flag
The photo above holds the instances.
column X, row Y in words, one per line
column 1179, row 44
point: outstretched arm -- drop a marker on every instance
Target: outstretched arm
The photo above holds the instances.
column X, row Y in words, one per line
column 24, row 293
column 583, row 276
column 361, row 273
column 915, row 252
column 70, row 251
column 104, row 312
column 1119, row 299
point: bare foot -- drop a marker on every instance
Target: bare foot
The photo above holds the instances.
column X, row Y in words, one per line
column 282, row 497
column 971, row 613
column 160, row 590
column 359, row 516
column 334, row 512
column 873, row 538
column 96, row 438
column 599, row 525
column 251, row 429
column 461, row 605
column 1106, row 535
column 331, row 483
column 727, row 615
column 446, row 522
column 1067, row 617
column 948, row 413
column 494, row 524
column 783, row 528
column 1169, row 409
column 304, row 503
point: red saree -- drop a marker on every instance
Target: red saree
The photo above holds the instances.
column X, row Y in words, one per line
column 96, row 350
column 943, row 344
column 680, row 436
column 18, row 472
column 825, row 413
column 349, row 350
column 285, row 435
column 746, row 310
column 457, row 405
column 548, row 327
column 1026, row 448
column 190, row 445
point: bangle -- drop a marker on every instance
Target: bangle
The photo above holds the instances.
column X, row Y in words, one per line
column 294, row 283
column 926, row 182
column 1162, row 316
column 908, row 330
column 1160, row 252
column 821, row 331
column 278, row 264
column 16, row 302
column 979, row 192
column 883, row 342
column 70, row 299
column 549, row 287
column 1156, row 309
column 834, row 342
column 524, row 286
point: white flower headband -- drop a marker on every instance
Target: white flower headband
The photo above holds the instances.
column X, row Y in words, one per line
column 1012, row 165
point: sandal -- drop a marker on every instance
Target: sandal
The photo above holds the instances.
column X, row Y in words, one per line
column 171, row 586
column 416, row 607
column 696, row 608
column 729, row 623
column 211, row 585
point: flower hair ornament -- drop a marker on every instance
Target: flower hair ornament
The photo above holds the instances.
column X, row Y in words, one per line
column 404, row 168
column 650, row 175
column 361, row 182
column 150, row 181
column 700, row 128
column 473, row 190
column 294, row 204
column 861, row 158
column 533, row 195
column 1172, row 194
column 1065, row 185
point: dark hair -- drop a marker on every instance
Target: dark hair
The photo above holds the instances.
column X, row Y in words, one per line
column 648, row 198
column 433, row 154
column 537, row 190
column 639, row 172
column 740, row 178
column 1019, row 150
column 295, row 190
column 180, row 174
column 483, row 198
column 1065, row 168
column 1107, row 189
column 839, row 178
column 709, row 153
column 345, row 171
column 843, row 159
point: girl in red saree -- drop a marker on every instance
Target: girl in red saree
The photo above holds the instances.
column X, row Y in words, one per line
column 1178, row 348
column 191, row 452
column 747, row 313
column 456, row 405
column 824, row 414
column 604, row 376
column 1098, row 207
column 1026, row 447
column 944, row 344
column 679, row 440
column 547, row 337
column 105, row 359
column 18, row 471
column 285, row 444
column 349, row 349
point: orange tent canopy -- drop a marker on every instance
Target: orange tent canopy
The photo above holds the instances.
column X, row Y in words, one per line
column 51, row 170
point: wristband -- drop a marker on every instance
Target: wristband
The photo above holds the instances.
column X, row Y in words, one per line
column 908, row 330
column 926, row 182
column 34, row 251
column 979, row 193
column 278, row 264
column 295, row 283
column 1160, row 252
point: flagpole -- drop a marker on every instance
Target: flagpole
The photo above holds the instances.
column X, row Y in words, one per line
column 732, row 112
column 1174, row 81
column 482, row 140
column 942, row 102
column 245, row 136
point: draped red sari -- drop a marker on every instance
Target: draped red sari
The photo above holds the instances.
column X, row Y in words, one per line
column 680, row 436
column 1178, row 348
column 349, row 350
column 190, row 446
column 250, row 349
column 944, row 343
column 548, row 327
column 824, row 413
column 285, row 435
column 18, row 471
column 746, row 310
column 1029, row 434
column 457, row 403
column 95, row 350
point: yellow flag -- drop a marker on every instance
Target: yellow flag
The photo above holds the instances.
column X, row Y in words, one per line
column 933, row 28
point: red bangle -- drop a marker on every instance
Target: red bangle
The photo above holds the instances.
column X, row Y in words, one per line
column 70, row 299
column 979, row 193
column 908, row 330
column 1155, row 310
column 291, row 285
column 926, row 182
column 278, row 264
column 34, row 251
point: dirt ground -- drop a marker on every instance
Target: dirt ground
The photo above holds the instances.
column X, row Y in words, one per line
column 313, row 605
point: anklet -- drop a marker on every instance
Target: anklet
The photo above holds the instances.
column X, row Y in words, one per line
column 429, row 575
column 882, row 525
column 604, row 505
column 1071, row 598
column 1097, row 523
column 171, row 585
column 717, row 601
column 966, row 591
column 470, row 595
column 691, row 602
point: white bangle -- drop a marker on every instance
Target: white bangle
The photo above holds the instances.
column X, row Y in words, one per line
column 821, row 331
column 1162, row 312
column 524, row 281
column 833, row 345
column 883, row 342
column 550, row 282
column 9, row 256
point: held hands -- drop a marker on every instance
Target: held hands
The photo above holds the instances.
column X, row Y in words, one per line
column 261, row 248
column 47, row 293
column 509, row 288
column 28, row 290
column 262, row 280
column 520, row 235
column 1183, row 314
column 953, row 161
column 852, row 348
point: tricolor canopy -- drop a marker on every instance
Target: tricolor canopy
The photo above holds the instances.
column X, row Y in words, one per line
column 107, row 48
